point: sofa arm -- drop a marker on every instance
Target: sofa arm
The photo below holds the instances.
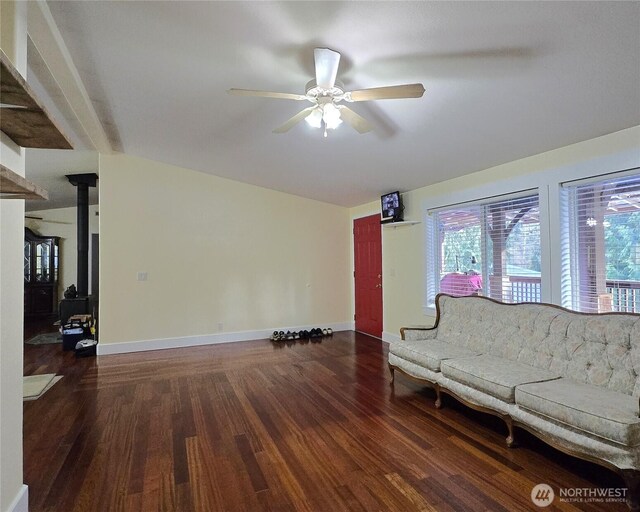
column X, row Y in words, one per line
column 418, row 333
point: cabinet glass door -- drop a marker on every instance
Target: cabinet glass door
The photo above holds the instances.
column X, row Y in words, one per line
column 43, row 251
column 55, row 262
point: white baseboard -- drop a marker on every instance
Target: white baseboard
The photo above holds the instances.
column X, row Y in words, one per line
column 390, row 338
column 21, row 502
column 125, row 347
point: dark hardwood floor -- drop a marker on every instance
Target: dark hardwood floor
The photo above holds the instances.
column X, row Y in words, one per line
column 260, row 426
column 34, row 326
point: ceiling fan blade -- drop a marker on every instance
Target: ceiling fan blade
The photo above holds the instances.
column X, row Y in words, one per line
column 295, row 120
column 327, row 62
column 42, row 219
column 10, row 105
column 388, row 93
column 356, row 121
column 267, row 94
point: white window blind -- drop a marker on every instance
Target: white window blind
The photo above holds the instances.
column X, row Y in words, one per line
column 601, row 244
column 489, row 248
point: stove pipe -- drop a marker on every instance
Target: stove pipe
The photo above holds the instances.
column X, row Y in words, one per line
column 83, row 182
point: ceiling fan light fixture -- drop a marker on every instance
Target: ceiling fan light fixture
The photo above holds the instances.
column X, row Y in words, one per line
column 331, row 116
column 315, row 118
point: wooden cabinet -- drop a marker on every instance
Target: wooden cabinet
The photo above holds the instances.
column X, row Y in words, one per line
column 41, row 271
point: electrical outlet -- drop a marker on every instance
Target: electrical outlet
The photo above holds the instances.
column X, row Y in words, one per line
column 142, row 276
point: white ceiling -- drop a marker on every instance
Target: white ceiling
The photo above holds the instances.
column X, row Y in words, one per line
column 503, row 81
column 48, row 168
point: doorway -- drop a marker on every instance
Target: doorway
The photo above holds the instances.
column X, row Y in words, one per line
column 367, row 261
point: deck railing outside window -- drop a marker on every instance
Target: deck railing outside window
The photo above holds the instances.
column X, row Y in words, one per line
column 525, row 289
column 625, row 295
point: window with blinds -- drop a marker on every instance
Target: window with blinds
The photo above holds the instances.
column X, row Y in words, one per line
column 487, row 248
column 601, row 243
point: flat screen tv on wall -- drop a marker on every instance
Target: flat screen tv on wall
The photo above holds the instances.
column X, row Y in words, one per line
column 392, row 208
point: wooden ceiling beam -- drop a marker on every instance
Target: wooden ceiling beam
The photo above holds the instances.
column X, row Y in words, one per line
column 14, row 186
column 26, row 121
column 48, row 41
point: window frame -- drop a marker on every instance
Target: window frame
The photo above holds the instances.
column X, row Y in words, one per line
column 537, row 172
column 432, row 239
column 569, row 231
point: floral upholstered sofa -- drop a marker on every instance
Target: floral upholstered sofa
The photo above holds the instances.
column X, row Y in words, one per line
column 572, row 379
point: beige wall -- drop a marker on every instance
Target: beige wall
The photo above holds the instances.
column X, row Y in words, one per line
column 221, row 256
column 63, row 222
column 404, row 247
column 13, row 41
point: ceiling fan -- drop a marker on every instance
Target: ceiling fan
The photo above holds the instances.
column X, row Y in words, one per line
column 325, row 93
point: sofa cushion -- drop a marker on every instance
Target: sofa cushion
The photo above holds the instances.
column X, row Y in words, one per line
column 593, row 409
column 494, row 375
column 428, row 353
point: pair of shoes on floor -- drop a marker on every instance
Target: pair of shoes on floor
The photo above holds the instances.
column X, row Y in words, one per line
column 316, row 332
column 278, row 336
column 322, row 332
column 285, row 336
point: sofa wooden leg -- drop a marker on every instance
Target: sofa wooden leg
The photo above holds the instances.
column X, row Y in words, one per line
column 438, row 397
column 393, row 374
column 632, row 481
column 511, row 438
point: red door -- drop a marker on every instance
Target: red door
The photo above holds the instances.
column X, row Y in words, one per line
column 367, row 243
